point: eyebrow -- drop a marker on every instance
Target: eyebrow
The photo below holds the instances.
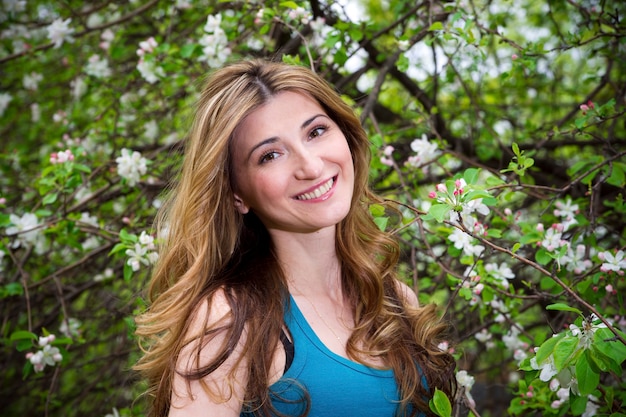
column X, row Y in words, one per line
column 274, row 139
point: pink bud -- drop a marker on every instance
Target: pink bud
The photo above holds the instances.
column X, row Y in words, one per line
column 540, row 227
column 514, row 57
column 432, row 194
column 591, row 105
column 441, row 188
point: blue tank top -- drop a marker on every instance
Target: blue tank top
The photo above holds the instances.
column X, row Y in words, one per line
column 335, row 385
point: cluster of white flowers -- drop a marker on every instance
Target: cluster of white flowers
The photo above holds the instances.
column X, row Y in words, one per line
column 61, row 157
column 465, row 242
column 574, row 259
column 214, row 42
column 131, row 166
column 107, row 274
column 553, row 237
column 59, row 32
column 31, row 81
column 98, row 67
column 47, row 355
column 516, row 345
column 425, row 151
column 70, row 327
column 586, row 331
column 501, row 273
column 151, row 130
column 143, row 252
column 149, row 70
column 25, row 228
column 466, row 381
column 567, row 211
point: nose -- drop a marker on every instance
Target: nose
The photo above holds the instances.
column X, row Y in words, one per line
column 308, row 165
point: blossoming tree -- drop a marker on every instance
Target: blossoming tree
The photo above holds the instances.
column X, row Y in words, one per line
column 498, row 129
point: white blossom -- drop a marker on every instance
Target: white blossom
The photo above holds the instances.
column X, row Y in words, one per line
column 59, row 32
column 567, row 211
column 466, row 381
column 213, row 23
column 552, row 239
column 5, row 99
column 613, row 263
column 26, row 229
column 425, row 151
column 151, row 130
column 142, row 253
column 79, row 87
column 547, row 367
column 114, row 413
column 215, row 50
column 591, row 410
column 574, row 260
column 586, row 331
column 70, row 327
column 31, row 81
column 131, row 166
column 501, row 273
column 98, row 67
column 463, row 241
column 150, row 71
column 35, row 112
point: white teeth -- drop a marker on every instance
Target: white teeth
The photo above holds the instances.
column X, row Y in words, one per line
column 318, row 192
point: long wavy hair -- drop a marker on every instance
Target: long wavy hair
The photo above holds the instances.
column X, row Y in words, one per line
column 211, row 247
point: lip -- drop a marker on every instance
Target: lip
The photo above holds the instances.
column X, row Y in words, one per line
column 326, row 194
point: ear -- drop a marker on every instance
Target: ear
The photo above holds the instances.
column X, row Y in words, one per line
column 240, row 205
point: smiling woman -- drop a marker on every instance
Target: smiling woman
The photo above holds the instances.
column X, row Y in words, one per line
column 275, row 292
column 301, row 179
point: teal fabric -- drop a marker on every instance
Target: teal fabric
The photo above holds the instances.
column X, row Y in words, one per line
column 336, row 386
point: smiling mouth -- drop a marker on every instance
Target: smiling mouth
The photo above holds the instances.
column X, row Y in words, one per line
column 318, row 192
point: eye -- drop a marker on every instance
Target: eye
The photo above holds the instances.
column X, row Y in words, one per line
column 268, row 157
column 317, row 132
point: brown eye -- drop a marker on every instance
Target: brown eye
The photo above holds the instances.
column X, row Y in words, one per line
column 268, row 157
column 317, row 132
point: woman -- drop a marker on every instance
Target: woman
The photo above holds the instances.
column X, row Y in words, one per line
column 275, row 292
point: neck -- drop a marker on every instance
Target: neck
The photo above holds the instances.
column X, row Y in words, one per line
column 310, row 262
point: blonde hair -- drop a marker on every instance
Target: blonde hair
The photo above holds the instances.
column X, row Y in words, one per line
column 210, row 246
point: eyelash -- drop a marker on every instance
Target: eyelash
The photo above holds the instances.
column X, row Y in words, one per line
column 263, row 159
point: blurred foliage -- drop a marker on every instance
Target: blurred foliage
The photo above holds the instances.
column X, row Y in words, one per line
column 498, row 126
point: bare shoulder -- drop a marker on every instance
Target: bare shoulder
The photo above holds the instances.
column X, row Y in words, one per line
column 221, row 391
column 407, row 294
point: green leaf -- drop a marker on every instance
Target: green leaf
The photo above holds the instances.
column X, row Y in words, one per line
column 564, row 350
column 22, row 334
column 543, row 257
column 187, row 50
column 50, row 198
column 471, row 175
column 381, row 222
column 563, row 307
column 588, row 380
column 547, row 348
column 578, row 404
column 289, row 4
column 439, row 211
column 435, row 26
column 440, row 404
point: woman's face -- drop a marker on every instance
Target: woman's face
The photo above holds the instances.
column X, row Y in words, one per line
column 292, row 165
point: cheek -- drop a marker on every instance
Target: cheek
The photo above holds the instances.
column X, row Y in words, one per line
column 261, row 190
